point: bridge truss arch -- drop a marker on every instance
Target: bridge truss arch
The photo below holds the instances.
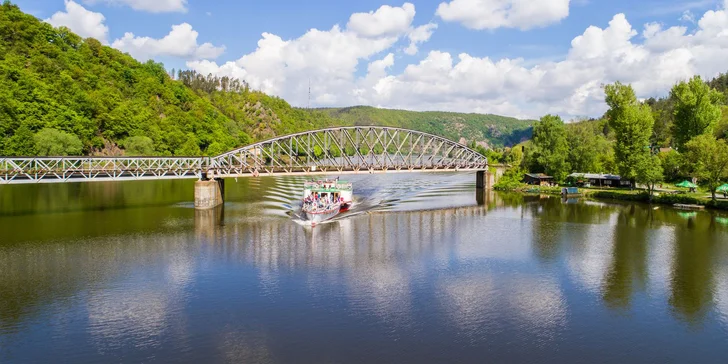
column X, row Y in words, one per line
column 352, row 149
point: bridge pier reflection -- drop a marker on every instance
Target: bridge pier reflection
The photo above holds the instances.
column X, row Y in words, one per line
column 207, row 222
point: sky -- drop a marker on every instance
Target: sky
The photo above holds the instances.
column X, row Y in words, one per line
column 521, row 58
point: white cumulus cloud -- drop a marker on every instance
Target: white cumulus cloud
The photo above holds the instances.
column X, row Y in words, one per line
column 328, row 58
column 492, row 14
column 386, row 21
column 81, row 21
column 419, row 35
column 651, row 57
column 152, row 6
column 180, row 42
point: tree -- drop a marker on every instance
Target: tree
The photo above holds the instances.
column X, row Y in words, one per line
column 632, row 124
column 190, row 147
column 53, row 142
column 138, row 146
column 549, row 140
column 216, row 148
column 22, row 143
column 696, row 110
column 672, row 163
column 586, row 147
column 649, row 173
column 709, row 158
column 515, row 157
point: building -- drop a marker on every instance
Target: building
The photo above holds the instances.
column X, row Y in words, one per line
column 538, row 179
column 598, row 180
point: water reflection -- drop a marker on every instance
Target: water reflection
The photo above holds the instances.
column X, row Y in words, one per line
column 492, row 273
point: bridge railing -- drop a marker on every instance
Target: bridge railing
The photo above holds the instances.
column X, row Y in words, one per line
column 67, row 169
column 336, row 150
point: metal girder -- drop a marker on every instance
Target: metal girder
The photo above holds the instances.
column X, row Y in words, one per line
column 73, row 169
column 332, row 150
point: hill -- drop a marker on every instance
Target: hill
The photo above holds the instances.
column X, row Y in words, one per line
column 493, row 130
column 64, row 95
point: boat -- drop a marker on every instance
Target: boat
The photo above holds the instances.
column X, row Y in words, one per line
column 324, row 199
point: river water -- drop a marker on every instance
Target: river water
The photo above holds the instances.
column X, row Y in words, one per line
column 417, row 271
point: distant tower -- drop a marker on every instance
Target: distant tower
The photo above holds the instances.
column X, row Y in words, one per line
column 309, row 92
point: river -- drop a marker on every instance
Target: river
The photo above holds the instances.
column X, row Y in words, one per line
column 417, row 271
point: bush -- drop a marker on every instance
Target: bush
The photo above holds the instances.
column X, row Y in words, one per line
column 681, row 199
column 53, row 142
column 637, row 197
column 138, row 145
column 720, row 205
column 511, row 180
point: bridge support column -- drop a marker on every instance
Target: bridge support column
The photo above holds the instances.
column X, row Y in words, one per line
column 484, row 180
column 209, row 194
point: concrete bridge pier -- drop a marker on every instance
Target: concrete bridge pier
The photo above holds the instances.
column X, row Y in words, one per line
column 209, row 193
column 484, row 180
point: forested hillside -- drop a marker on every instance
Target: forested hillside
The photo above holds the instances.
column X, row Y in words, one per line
column 262, row 116
column 488, row 130
column 64, row 95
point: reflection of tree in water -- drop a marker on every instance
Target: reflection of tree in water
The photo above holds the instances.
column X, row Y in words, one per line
column 629, row 257
column 551, row 219
column 692, row 282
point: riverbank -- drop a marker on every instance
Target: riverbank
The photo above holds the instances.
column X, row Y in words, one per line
column 637, row 195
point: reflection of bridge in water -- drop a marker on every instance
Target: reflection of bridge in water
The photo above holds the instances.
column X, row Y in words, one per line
column 340, row 150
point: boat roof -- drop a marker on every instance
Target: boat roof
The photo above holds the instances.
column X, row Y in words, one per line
column 327, row 190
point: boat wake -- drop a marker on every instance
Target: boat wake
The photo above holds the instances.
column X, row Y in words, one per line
column 375, row 193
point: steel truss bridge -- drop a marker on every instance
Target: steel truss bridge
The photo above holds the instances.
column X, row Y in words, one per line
column 340, row 150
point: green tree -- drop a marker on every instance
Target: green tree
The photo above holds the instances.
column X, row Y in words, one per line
column 494, row 157
column 515, row 157
column 709, row 160
column 585, row 148
column 672, row 162
column 632, row 124
column 511, row 179
column 216, row 148
column 318, row 152
column 189, row 147
column 21, row 143
column 664, row 114
column 53, row 142
column 696, row 110
column 552, row 149
column 138, row 146
column 650, row 173
column 721, row 128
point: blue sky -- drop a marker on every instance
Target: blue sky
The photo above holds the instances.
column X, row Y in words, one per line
column 519, row 56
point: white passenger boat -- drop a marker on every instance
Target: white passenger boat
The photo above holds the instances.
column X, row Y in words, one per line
column 322, row 200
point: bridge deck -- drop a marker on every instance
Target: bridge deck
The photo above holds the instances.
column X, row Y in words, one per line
column 344, row 150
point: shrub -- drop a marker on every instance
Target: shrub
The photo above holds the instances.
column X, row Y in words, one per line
column 511, row 180
column 53, row 142
column 638, row 197
column 138, row 145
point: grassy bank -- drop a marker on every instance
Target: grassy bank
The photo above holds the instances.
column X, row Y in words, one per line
column 633, row 196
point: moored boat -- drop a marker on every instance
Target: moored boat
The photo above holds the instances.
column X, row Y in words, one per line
column 323, row 200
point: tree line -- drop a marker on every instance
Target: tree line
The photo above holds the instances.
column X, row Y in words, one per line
column 648, row 142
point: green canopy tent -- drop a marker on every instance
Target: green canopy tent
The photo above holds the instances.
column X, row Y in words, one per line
column 687, row 184
column 686, row 214
column 723, row 188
